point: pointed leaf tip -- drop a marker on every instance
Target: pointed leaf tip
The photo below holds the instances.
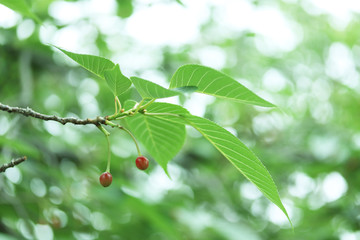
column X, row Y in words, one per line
column 95, row 64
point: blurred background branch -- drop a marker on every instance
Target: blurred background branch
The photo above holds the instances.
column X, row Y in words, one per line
column 13, row 163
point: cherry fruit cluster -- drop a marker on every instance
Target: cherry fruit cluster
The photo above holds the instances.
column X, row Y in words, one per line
column 141, row 162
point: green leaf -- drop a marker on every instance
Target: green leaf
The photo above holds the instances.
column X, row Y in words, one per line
column 212, row 82
column 103, row 68
column 117, row 82
column 186, row 89
column 125, row 8
column 168, row 112
column 129, row 104
column 161, row 137
column 240, row 156
column 148, row 89
column 180, row 2
column 21, row 7
column 94, row 64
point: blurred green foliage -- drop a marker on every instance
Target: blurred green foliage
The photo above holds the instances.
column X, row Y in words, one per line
column 310, row 143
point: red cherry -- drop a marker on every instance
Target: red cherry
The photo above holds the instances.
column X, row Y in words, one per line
column 105, row 179
column 142, row 163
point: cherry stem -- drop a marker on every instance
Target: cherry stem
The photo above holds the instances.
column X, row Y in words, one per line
column 132, row 136
column 111, row 124
column 118, row 102
column 103, row 130
column 147, row 104
column 109, row 154
column 116, row 111
column 107, row 134
column 139, row 106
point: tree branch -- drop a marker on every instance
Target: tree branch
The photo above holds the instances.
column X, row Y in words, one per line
column 13, row 163
column 28, row 112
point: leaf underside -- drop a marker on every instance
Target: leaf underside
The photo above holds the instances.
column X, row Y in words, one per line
column 212, row 82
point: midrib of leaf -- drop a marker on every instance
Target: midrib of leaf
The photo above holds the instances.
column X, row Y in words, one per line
column 156, row 146
column 116, row 81
column 164, row 136
column 236, row 153
column 209, row 138
column 150, row 133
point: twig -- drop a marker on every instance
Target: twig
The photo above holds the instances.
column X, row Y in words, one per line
column 29, row 112
column 13, row 163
